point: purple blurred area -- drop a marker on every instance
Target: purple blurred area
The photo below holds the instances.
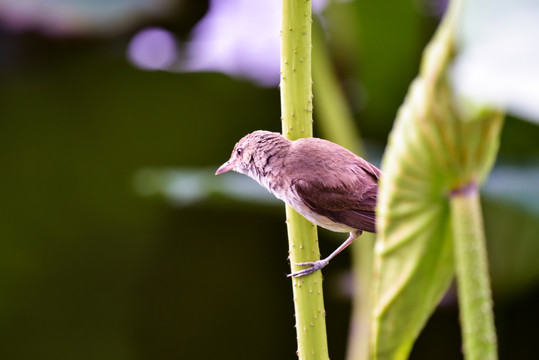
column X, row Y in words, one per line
column 80, row 17
column 239, row 38
column 153, row 48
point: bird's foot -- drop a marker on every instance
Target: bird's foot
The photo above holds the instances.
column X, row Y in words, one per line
column 314, row 265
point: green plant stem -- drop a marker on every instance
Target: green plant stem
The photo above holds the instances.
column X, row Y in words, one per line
column 296, row 109
column 475, row 304
column 332, row 111
column 362, row 269
column 336, row 123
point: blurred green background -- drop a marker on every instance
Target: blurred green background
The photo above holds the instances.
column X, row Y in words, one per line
column 90, row 268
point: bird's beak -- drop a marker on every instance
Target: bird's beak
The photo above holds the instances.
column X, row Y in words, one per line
column 229, row 165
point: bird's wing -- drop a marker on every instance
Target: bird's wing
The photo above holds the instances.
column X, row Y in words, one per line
column 350, row 204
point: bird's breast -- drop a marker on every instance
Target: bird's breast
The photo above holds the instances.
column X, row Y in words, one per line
column 292, row 199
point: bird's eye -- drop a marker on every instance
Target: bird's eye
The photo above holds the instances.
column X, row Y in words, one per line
column 239, row 151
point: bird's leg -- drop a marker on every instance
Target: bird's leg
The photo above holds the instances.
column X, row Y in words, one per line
column 317, row 265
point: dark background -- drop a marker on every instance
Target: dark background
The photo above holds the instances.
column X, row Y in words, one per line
column 90, row 269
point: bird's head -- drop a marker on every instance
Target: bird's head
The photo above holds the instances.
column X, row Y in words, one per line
column 249, row 151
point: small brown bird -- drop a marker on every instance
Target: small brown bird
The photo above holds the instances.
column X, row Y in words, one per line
column 326, row 183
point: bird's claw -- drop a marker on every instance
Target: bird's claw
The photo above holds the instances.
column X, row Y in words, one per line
column 314, row 266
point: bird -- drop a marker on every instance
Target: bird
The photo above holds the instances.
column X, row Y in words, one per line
column 326, row 183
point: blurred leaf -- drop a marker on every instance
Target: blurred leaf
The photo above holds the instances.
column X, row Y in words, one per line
column 380, row 43
column 431, row 151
